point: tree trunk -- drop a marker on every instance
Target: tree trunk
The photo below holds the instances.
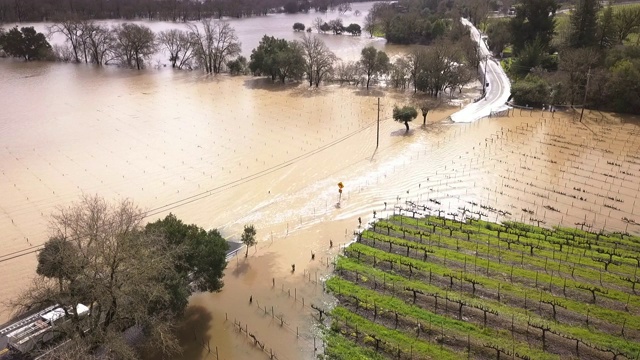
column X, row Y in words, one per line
column 406, row 124
column 424, row 118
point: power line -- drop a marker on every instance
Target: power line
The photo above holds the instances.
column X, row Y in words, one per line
column 193, row 198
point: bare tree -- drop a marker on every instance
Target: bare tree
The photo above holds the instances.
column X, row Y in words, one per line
column 399, row 73
column 126, row 277
column 344, row 7
column 370, row 23
column 346, row 71
column 319, row 59
column 440, row 62
column 478, row 11
column 214, row 44
column 98, row 41
column 180, row 46
column 575, row 64
column 459, row 76
column 72, row 31
column 416, row 60
column 317, row 24
column 226, row 45
column 426, row 106
column 133, row 44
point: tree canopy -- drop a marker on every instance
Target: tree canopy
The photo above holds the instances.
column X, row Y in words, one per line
column 248, row 237
column 404, row 114
column 202, row 259
column 277, row 58
column 584, row 24
column 100, row 255
column 133, row 44
column 534, row 21
column 373, row 62
column 411, row 21
column 25, row 43
column 319, row 59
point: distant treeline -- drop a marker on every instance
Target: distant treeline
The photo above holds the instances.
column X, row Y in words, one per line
column 168, row 10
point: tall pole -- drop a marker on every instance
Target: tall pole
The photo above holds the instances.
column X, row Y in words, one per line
column 586, row 89
column 484, row 81
column 378, row 128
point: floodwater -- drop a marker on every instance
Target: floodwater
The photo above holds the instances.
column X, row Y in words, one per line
column 225, row 151
column 251, row 30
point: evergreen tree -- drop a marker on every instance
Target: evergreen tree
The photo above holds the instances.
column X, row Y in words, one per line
column 606, row 29
column 535, row 19
column 25, row 43
column 584, row 24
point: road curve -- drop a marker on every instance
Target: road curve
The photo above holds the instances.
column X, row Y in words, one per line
column 499, row 88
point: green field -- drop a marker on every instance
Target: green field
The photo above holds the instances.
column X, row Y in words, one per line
column 421, row 288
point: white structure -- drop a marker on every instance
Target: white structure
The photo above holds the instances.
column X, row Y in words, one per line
column 498, row 91
column 38, row 331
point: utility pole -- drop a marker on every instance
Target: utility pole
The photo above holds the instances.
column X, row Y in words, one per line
column 484, row 80
column 586, row 90
column 378, row 128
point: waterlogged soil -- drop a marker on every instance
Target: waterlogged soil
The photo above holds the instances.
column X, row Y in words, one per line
column 227, row 151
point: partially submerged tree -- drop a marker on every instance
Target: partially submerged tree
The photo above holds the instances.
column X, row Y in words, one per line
column 215, row 44
column 344, row 7
column 373, row 62
column 237, row 66
column 370, row 23
column 278, row 58
column 404, row 114
column 426, row 106
column 248, row 237
column 319, row 59
column 72, row 30
column 354, row 29
column 98, row 41
column 317, row 24
column 336, row 26
column 180, row 46
column 25, row 43
column 133, row 44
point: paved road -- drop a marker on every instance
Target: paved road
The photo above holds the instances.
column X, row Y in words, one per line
column 499, row 85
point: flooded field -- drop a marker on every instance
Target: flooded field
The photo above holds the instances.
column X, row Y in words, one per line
column 528, row 167
column 227, row 151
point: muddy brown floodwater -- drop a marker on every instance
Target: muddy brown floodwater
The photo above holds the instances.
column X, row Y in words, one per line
column 227, row 151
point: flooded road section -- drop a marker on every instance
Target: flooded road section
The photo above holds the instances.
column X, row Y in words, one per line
column 227, row 151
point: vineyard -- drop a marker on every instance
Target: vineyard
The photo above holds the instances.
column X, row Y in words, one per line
column 416, row 287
